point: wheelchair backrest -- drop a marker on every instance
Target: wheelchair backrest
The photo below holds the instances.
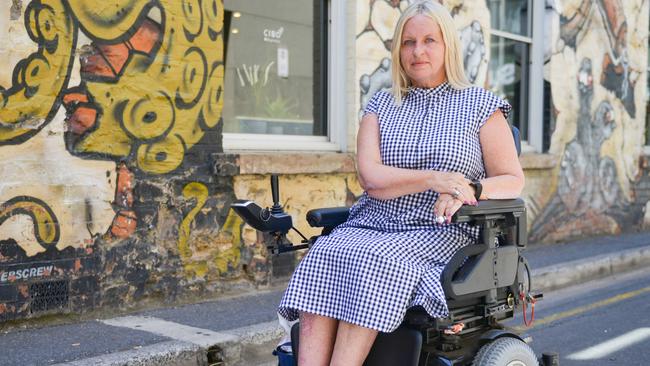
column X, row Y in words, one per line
column 517, row 136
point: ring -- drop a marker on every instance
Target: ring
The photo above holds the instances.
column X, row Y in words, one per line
column 456, row 193
column 440, row 219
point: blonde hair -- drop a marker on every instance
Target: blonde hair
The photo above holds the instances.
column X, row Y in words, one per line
column 454, row 69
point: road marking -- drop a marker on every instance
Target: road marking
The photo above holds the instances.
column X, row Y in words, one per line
column 180, row 332
column 585, row 308
column 608, row 347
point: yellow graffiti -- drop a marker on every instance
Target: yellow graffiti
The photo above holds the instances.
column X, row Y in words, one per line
column 198, row 192
column 225, row 245
column 108, row 20
column 46, row 226
column 212, row 109
column 152, row 81
column 30, row 103
column 231, row 233
column 162, row 99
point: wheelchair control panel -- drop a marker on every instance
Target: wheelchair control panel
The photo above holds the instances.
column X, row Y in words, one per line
column 273, row 221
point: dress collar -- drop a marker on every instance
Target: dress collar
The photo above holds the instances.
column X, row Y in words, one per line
column 429, row 92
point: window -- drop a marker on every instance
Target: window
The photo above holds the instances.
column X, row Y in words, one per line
column 275, row 79
column 514, row 70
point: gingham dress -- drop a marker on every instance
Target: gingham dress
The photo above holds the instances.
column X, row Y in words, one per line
column 389, row 254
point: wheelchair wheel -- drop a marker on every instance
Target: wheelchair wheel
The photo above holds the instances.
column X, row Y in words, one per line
column 505, row 351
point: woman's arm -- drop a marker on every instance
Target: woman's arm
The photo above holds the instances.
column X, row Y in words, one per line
column 505, row 178
column 385, row 182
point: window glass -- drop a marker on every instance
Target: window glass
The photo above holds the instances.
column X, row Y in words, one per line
column 508, row 79
column 510, row 16
column 270, row 73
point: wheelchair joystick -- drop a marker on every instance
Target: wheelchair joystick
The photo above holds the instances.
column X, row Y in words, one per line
column 275, row 192
column 273, row 221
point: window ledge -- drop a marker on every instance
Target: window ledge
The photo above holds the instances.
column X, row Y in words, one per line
column 282, row 163
column 322, row 163
column 530, row 161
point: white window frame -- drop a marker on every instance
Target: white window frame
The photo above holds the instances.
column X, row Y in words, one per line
column 336, row 138
column 534, row 141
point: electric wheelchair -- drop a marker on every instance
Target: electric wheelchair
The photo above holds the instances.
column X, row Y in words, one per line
column 484, row 284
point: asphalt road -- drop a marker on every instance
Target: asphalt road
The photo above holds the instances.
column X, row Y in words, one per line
column 604, row 322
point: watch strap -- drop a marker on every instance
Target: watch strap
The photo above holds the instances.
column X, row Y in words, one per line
column 478, row 189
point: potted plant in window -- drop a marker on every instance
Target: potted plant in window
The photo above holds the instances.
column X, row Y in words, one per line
column 269, row 111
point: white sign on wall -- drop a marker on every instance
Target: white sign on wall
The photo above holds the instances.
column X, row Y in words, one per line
column 283, row 62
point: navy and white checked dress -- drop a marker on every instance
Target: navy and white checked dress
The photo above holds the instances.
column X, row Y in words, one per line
column 390, row 254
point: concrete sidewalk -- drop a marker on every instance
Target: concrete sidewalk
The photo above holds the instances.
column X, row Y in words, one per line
column 244, row 330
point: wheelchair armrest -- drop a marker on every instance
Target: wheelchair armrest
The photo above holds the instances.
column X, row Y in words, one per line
column 327, row 217
column 512, row 212
column 489, row 208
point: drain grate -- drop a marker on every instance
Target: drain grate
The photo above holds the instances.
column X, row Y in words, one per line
column 49, row 295
column 215, row 356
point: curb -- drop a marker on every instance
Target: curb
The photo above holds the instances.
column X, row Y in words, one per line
column 579, row 271
column 249, row 345
column 164, row 353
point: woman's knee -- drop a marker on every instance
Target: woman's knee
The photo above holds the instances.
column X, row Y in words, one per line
column 309, row 321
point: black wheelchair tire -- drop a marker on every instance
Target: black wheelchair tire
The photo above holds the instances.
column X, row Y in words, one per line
column 505, row 351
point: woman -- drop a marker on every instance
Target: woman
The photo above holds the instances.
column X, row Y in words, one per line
column 424, row 150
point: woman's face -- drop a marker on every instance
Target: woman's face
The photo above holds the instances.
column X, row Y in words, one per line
column 422, row 52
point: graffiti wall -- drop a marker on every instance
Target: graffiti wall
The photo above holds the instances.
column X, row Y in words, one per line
column 115, row 189
column 597, row 113
column 108, row 118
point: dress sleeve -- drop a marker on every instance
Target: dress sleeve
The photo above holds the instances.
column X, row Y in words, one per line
column 372, row 106
column 489, row 105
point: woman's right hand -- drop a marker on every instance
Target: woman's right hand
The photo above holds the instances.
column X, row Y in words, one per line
column 445, row 207
column 454, row 184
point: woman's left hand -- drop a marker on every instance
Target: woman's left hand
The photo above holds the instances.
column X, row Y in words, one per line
column 446, row 206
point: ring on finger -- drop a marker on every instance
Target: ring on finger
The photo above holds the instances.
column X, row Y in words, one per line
column 456, row 193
